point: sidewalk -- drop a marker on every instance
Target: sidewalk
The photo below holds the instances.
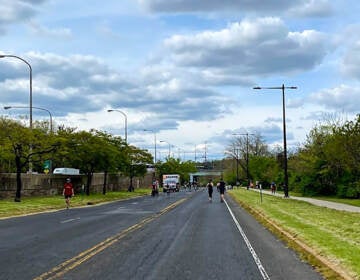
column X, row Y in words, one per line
column 318, row 202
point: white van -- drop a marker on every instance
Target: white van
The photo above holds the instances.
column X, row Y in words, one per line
column 66, row 171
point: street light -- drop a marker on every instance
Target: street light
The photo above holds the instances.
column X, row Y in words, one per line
column 30, row 78
column 286, row 178
column 39, row 108
column 30, row 102
column 125, row 116
column 154, row 142
column 161, row 141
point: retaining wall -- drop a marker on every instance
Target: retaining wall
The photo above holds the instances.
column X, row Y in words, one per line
column 50, row 184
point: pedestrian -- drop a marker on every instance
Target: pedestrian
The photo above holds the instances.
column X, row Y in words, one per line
column 222, row 189
column 68, row 192
column 210, row 189
column 273, row 187
column 155, row 188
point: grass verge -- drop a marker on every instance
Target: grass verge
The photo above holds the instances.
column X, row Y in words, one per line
column 30, row 205
column 328, row 239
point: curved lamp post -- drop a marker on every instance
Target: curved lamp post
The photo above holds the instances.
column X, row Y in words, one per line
column 125, row 116
column 39, row 108
column 30, row 102
column 154, row 142
column 286, row 178
column 30, row 78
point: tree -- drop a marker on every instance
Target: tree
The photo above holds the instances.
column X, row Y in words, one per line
column 328, row 162
column 26, row 145
column 135, row 163
column 244, row 149
column 110, row 153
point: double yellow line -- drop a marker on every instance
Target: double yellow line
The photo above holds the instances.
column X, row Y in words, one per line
column 72, row 263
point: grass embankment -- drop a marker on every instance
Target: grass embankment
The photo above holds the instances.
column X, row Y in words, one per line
column 331, row 234
column 29, row 205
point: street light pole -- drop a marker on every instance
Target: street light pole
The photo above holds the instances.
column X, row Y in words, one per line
column 30, row 78
column 125, row 116
column 39, row 108
column 30, row 102
column 154, row 142
column 286, row 178
column 161, row 141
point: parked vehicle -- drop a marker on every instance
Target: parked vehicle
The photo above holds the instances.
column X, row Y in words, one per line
column 66, row 171
column 171, row 182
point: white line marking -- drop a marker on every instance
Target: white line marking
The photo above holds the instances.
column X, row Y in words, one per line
column 248, row 244
column 70, row 220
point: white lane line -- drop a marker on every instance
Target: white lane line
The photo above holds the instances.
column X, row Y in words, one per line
column 248, row 244
column 69, row 220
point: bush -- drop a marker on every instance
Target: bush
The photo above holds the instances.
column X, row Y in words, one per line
column 349, row 191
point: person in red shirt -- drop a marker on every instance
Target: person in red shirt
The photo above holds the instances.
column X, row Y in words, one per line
column 68, row 192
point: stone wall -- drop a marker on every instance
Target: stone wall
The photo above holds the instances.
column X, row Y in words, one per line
column 50, row 184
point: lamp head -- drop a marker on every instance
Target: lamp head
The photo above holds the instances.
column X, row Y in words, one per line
column 7, row 107
column 110, row 110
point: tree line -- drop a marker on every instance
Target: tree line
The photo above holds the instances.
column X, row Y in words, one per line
column 24, row 149
column 326, row 164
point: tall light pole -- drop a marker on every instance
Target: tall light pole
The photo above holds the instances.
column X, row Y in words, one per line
column 286, row 178
column 39, row 108
column 195, row 153
column 162, row 141
column 30, row 101
column 154, row 142
column 30, row 79
column 125, row 116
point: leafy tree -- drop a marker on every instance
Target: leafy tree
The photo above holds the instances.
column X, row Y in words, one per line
column 26, row 145
column 328, row 162
column 110, row 153
column 135, row 162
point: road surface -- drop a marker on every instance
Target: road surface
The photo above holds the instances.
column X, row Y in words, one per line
column 176, row 236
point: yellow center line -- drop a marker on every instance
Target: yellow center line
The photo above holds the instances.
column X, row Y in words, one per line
column 72, row 263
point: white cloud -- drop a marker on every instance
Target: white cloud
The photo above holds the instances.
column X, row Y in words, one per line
column 342, row 98
column 312, row 8
column 254, row 46
column 38, row 30
column 303, row 7
column 17, row 11
column 351, row 61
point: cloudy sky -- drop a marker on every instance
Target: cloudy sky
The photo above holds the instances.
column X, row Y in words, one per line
column 183, row 69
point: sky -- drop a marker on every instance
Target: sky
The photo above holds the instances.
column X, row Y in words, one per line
column 183, row 71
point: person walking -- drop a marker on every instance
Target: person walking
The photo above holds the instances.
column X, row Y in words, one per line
column 68, row 192
column 222, row 189
column 273, row 187
column 155, row 188
column 210, row 189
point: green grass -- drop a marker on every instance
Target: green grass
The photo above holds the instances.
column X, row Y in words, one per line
column 30, row 205
column 335, row 234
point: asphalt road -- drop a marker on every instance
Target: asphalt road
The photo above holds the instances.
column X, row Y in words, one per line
column 176, row 236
